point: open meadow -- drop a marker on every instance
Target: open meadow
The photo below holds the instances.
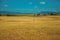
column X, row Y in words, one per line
column 29, row 28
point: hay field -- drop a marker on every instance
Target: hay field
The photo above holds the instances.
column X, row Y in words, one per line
column 29, row 28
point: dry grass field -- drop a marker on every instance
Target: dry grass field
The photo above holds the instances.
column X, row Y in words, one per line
column 29, row 28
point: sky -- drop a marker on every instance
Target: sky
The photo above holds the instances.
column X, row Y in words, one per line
column 30, row 6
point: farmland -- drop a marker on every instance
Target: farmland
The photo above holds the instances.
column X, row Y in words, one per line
column 29, row 28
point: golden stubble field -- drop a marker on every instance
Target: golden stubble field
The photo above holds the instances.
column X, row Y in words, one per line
column 29, row 28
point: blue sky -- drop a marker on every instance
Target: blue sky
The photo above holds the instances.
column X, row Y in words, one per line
column 29, row 6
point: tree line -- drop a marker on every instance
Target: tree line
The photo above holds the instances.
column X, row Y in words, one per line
column 33, row 14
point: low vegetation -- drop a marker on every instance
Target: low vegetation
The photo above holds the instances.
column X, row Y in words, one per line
column 38, row 14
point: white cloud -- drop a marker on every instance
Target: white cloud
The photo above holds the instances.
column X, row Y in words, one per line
column 38, row 10
column 55, row 10
column 30, row 3
column 36, row 6
column 5, row 5
column 42, row 2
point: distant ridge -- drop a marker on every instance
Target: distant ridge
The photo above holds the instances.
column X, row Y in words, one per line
column 48, row 12
column 15, row 13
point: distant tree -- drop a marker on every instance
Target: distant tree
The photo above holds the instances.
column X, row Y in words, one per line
column 51, row 14
column 0, row 14
column 44, row 14
column 38, row 14
column 8, row 15
column 55, row 14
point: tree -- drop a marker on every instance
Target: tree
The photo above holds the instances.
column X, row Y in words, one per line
column 51, row 14
column 38, row 14
column 8, row 15
column 0, row 14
